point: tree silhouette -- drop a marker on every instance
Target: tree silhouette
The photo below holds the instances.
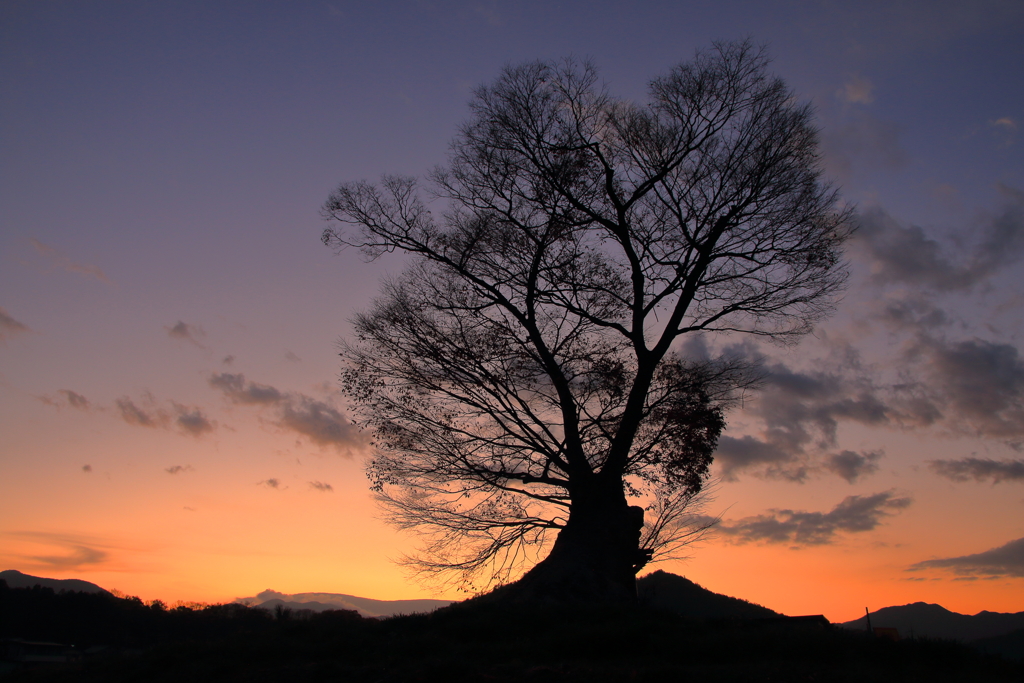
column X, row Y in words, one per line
column 523, row 375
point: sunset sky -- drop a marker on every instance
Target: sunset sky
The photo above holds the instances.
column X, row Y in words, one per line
column 162, row 167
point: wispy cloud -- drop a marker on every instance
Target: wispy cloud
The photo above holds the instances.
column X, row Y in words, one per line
column 1006, row 560
column 134, row 415
column 79, row 557
column 61, row 552
column 855, row 514
column 87, row 468
column 66, row 397
column 185, row 332
column 321, row 486
column 979, row 469
column 857, row 90
column 9, row 327
column 178, row 469
column 75, row 400
column 272, row 483
column 239, row 391
column 907, row 254
column 317, row 420
column 188, row 419
column 192, row 421
column 320, row 422
column 59, row 260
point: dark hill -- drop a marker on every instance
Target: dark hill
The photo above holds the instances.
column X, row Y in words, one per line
column 662, row 590
column 16, row 579
column 924, row 620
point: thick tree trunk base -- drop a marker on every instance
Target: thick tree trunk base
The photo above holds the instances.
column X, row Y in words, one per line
column 593, row 561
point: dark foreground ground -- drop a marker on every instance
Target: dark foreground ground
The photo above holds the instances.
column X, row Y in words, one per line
column 124, row 640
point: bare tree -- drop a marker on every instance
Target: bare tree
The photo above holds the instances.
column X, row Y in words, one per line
column 523, row 375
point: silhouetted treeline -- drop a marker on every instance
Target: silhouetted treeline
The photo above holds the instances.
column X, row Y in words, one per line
column 89, row 619
column 466, row 642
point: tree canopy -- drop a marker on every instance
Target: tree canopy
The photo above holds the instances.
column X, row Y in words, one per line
column 524, row 375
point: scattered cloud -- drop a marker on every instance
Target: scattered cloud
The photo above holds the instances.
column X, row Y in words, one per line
column 239, row 391
column 906, row 254
column 800, row 413
column 745, row 453
column 9, row 327
column 321, row 486
column 855, row 514
column 271, row 483
column 188, row 419
column 75, row 400
column 937, row 379
column 857, row 90
column 317, row 420
column 228, row 360
column 87, row 468
column 790, row 428
column 291, row 356
column 134, row 415
column 66, row 397
column 185, row 332
column 851, row 465
column 320, row 422
column 193, row 421
column 178, row 469
column 979, row 469
column 980, row 382
column 1006, row 560
column 59, row 260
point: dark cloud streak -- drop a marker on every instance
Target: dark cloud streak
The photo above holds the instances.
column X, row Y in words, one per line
column 9, row 327
column 979, row 469
column 1006, row 560
column 79, row 557
column 855, row 514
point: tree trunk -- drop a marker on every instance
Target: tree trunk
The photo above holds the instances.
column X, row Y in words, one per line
column 595, row 557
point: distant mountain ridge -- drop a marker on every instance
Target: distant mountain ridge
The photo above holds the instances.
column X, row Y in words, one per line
column 925, row 620
column 320, row 602
column 16, row 579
